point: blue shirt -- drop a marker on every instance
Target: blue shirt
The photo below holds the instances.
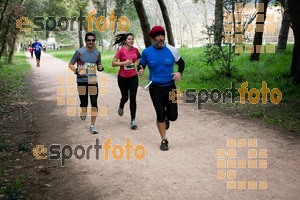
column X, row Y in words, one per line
column 161, row 63
column 37, row 47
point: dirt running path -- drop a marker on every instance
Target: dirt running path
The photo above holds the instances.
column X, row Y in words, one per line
column 187, row 171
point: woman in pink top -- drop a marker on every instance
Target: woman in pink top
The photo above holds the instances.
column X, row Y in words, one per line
column 126, row 58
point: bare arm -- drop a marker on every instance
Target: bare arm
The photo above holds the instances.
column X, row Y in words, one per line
column 116, row 62
column 72, row 67
column 81, row 71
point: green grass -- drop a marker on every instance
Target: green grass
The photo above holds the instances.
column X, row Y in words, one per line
column 13, row 88
column 274, row 69
column 12, row 79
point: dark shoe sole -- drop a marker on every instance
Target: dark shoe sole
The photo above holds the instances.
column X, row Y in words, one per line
column 133, row 127
column 164, row 149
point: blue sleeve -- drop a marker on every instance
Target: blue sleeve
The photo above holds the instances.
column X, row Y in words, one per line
column 143, row 59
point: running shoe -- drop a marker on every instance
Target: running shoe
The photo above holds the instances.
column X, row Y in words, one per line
column 164, row 146
column 133, row 124
column 120, row 112
column 93, row 130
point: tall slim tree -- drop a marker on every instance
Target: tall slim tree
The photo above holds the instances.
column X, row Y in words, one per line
column 259, row 30
column 5, row 33
column 145, row 25
column 81, row 6
column 4, row 5
column 218, row 26
column 10, row 33
column 284, row 29
column 294, row 6
column 101, row 8
column 167, row 21
column 118, row 13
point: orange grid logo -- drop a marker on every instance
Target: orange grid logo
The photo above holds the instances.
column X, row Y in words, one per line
column 67, row 92
column 39, row 152
column 234, row 28
column 176, row 96
column 23, row 21
column 228, row 164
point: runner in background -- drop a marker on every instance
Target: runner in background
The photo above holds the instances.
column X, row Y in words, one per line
column 37, row 47
column 30, row 48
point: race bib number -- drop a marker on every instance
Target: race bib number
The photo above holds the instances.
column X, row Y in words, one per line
column 129, row 67
column 91, row 68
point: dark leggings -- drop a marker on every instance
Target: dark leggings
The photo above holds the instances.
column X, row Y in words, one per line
column 83, row 90
column 37, row 55
column 128, row 85
column 164, row 107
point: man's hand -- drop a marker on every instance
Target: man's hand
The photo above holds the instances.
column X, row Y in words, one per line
column 100, row 68
column 141, row 71
column 176, row 76
column 72, row 67
column 82, row 70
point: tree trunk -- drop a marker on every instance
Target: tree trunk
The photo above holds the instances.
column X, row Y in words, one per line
column 118, row 13
column 5, row 34
column 10, row 33
column 139, row 7
column 218, row 27
column 80, row 29
column 3, row 11
column 259, row 31
column 294, row 7
column 284, row 29
column 12, row 49
column 167, row 21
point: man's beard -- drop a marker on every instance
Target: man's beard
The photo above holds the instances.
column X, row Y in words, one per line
column 159, row 44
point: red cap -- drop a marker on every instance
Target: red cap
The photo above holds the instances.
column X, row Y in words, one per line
column 157, row 30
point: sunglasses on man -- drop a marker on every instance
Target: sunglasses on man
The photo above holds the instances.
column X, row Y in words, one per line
column 89, row 40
